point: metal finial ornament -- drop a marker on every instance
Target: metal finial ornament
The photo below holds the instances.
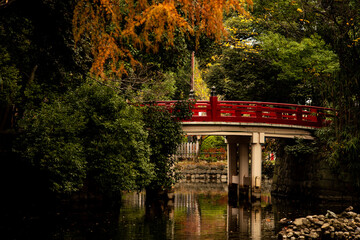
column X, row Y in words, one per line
column 191, row 94
column 213, row 91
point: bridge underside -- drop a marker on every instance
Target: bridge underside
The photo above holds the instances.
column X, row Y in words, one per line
column 247, row 129
column 240, row 138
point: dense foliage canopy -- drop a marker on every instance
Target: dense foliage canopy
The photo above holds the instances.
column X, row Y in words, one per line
column 117, row 29
column 268, row 66
column 89, row 136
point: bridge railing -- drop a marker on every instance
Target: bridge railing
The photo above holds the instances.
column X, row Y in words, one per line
column 257, row 112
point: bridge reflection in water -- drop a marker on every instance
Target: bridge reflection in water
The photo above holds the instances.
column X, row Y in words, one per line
column 204, row 214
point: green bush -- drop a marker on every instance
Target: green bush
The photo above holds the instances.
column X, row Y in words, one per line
column 213, row 142
column 165, row 134
column 90, row 135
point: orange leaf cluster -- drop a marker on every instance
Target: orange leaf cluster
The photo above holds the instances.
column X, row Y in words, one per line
column 115, row 28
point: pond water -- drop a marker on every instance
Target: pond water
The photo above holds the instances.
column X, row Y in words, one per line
column 203, row 211
column 197, row 211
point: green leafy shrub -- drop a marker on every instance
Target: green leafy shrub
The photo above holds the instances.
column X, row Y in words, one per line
column 164, row 136
column 213, row 142
column 50, row 140
column 90, row 135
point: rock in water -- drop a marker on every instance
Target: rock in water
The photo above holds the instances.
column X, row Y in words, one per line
column 349, row 209
column 332, row 226
column 331, row 214
column 298, row 222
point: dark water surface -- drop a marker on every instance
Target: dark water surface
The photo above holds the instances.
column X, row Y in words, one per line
column 198, row 211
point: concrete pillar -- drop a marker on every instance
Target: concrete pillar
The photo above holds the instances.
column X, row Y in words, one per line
column 238, row 166
column 256, row 160
column 232, row 163
column 244, row 162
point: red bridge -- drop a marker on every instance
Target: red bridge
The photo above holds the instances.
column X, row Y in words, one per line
column 246, row 125
column 257, row 112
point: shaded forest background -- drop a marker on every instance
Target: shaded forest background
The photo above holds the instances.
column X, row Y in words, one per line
column 69, row 69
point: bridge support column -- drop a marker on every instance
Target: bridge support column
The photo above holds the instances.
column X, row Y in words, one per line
column 244, row 181
column 256, row 161
column 238, row 165
column 233, row 177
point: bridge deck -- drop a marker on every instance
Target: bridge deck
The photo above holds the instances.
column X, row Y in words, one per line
column 259, row 113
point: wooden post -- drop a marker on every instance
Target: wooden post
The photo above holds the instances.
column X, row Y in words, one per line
column 258, row 111
column 313, row 115
column 299, row 114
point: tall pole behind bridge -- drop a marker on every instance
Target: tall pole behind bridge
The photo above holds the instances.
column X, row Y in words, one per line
column 192, row 70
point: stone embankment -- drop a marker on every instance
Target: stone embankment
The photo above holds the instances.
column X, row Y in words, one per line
column 330, row 226
column 203, row 171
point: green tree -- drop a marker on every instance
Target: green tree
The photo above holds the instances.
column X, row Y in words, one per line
column 337, row 23
column 36, row 39
column 165, row 134
column 302, row 66
column 90, row 136
column 267, row 66
column 9, row 88
column 50, row 141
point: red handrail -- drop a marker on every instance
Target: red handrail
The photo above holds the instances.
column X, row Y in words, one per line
column 257, row 112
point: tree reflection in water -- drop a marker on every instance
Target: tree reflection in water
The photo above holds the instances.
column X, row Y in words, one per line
column 200, row 211
column 197, row 211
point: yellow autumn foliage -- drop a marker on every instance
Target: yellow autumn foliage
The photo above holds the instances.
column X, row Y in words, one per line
column 202, row 92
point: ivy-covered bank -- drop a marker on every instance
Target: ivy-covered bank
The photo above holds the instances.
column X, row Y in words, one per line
column 302, row 171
